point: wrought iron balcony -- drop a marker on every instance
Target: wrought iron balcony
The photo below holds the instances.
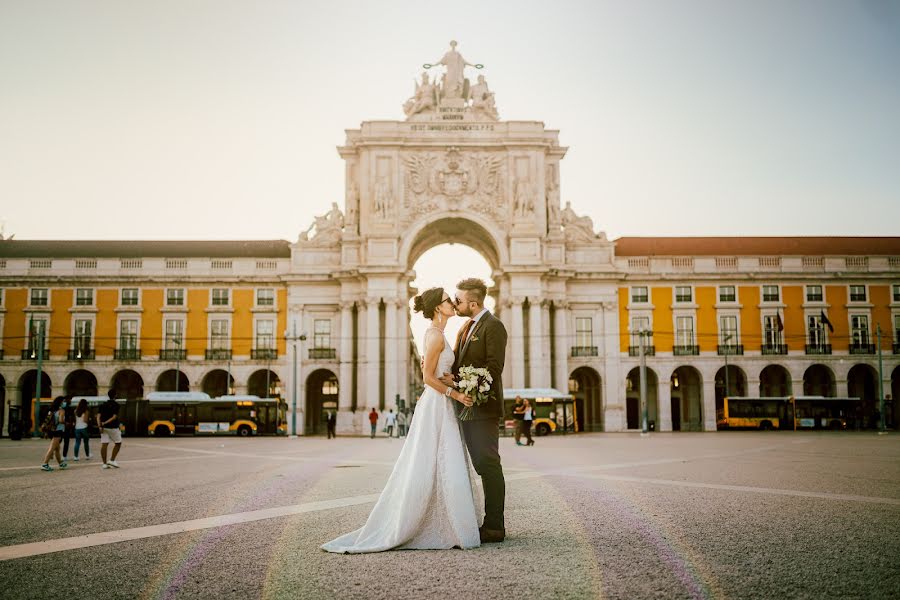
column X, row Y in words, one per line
column 263, row 354
column 769, row 349
column 818, row 348
column 896, row 347
column 685, row 350
column 731, row 350
column 127, row 354
column 218, row 354
column 856, row 348
column 584, row 351
column 322, row 353
column 80, row 355
column 636, row 351
column 172, row 354
column 32, row 354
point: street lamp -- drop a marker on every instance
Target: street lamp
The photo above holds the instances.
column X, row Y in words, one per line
column 293, row 337
column 726, row 339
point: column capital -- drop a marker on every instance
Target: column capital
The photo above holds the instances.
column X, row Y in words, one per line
column 296, row 308
column 560, row 304
column 372, row 300
column 608, row 305
column 512, row 300
column 346, row 305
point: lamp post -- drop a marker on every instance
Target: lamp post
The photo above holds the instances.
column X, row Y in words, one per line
column 37, row 385
column 292, row 336
column 645, row 425
column 726, row 339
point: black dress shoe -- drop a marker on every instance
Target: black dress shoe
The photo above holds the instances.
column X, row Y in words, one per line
column 491, row 536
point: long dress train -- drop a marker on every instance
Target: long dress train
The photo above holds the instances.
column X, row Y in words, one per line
column 431, row 500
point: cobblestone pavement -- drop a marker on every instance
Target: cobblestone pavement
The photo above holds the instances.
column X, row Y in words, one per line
column 671, row 515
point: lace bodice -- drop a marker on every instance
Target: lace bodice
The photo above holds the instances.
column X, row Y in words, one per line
column 446, row 358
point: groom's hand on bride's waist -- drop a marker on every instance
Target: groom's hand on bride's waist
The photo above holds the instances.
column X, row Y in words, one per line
column 447, row 379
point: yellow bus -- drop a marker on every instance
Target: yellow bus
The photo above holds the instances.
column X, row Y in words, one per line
column 785, row 412
column 551, row 409
column 170, row 413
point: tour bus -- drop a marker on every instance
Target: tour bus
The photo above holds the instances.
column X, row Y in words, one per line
column 551, row 407
column 785, row 412
column 170, row 413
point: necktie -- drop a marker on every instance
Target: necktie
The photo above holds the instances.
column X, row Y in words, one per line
column 461, row 341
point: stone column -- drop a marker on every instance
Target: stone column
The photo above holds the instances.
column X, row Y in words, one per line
column 561, row 344
column 708, row 401
column 403, row 341
column 504, row 316
column 391, row 347
column 841, row 388
column 614, row 381
column 345, row 358
column 536, row 362
column 517, row 343
column 664, row 405
column 753, row 387
column 370, row 396
column 295, row 388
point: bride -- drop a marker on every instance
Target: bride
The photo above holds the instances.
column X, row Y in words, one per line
column 431, row 500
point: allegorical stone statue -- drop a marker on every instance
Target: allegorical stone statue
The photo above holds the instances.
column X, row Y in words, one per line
column 328, row 227
column 483, row 99
column 425, row 97
column 577, row 228
column 384, row 198
column 523, row 205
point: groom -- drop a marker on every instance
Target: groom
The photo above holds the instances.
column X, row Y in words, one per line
column 482, row 343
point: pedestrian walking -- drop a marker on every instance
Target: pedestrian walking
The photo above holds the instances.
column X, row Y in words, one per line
column 373, row 421
column 69, row 431
column 390, row 423
column 330, row 422
column 527, row 421
column 108, row 421
column 401, row 423
column 82, row 432
column 518, row 417
column 54, row 426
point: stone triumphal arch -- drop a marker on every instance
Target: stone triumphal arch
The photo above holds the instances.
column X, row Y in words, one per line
column 451, row 171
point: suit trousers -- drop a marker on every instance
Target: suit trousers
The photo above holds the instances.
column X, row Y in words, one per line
column 483, row 441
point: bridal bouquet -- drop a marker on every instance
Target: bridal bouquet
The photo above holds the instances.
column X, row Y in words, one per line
column 474, row 382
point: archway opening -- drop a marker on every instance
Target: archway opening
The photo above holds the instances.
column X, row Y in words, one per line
column 128, row 384
column 27, row 393
column 584, row 385
column 321, row 396
column 774, row 381
column 172, row 381
column 890, row 404
column 861, row 382
column 81, row 382
column 264, row 383
column 686, row 386
column 633, row 399
column 445, row 265
column 818, row 380
column 734, row 383
column 218, row 382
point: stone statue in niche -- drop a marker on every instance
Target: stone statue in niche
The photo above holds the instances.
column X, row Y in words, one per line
column 552, row 196
column 384, row 198
column 328, row 228
column 483, row 99
column 578, row 229
column 523, row 203
column 352, row 203
column 425, row 97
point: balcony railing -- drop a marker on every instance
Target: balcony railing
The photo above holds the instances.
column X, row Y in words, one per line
column 818, row 348
column 768, row 349
column 264, row 354
column 127, row 354
column 731, row 350
column 1, row 354
column 172, row 354
column 32, row 354
column 218, row 354
column 584, row 351
column 636, row 351
column 685, row 350
column 322, row 353
column 896, row 347
column 80, row 355
column 862, row 348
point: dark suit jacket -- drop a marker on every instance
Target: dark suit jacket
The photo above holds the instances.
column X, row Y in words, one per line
column 486, row 347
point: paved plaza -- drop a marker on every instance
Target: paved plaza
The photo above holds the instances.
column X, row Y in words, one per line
column 738, row 514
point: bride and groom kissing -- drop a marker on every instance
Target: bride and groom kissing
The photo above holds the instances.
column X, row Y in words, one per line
column 431, row 500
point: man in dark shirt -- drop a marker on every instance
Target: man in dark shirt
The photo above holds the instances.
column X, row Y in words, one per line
column 108, row 421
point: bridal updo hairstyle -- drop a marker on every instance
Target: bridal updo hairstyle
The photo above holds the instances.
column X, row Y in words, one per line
column 428, row 301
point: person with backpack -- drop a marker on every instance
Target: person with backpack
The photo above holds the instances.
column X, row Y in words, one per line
column 82, row 433
column 54, row 426
column 69, row 431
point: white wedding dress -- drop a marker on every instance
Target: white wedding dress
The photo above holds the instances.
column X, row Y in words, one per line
column 431, row 500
